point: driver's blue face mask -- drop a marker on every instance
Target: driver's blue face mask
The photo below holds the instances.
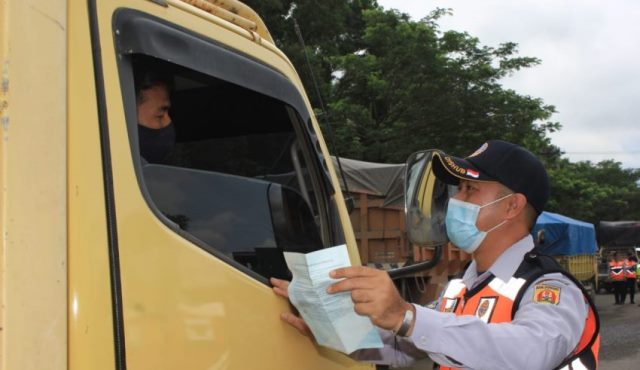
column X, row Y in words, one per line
column 461, row 221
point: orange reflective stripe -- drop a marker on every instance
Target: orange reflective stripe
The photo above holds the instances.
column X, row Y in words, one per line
column 616, row 270
column 595, row 348
column 630, row 270
column 587, row 332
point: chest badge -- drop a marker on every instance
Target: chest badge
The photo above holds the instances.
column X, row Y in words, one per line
column 485, row 308
column 546, row 294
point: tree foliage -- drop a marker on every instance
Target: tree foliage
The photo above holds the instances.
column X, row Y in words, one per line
column 393, row 86
column 594, row 192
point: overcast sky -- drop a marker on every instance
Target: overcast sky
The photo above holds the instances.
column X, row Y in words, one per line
column 590, row 70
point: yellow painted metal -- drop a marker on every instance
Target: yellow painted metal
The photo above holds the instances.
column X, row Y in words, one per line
column 91, row 343
column 184, row 308
column 582, row 266
column 33, row 208
column 248, row 34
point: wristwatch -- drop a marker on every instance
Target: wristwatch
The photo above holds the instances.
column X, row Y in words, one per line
column 403, row 330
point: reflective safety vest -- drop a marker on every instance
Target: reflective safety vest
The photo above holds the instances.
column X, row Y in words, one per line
column 616, row 270
column 496, row 301
column 630, row 271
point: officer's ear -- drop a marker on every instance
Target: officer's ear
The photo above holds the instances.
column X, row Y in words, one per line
column 516, row 204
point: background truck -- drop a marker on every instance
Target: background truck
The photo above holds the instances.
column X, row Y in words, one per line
column 622, row 237
column 572, row 243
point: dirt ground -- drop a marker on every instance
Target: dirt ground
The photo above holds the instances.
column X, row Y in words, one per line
column 619, row 332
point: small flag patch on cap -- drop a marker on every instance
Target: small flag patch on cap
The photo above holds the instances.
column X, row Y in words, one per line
column 472, row 173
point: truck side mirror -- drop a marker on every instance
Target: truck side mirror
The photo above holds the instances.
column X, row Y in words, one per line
column 426, row 200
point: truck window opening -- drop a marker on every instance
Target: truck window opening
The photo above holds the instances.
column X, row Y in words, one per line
column 236, row 178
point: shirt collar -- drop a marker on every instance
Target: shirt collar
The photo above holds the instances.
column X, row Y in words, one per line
column 504, row 267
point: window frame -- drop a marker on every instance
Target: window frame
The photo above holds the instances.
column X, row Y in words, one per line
column 134, row 32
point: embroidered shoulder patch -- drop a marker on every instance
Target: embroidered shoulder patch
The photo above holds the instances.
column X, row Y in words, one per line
column 546, row 294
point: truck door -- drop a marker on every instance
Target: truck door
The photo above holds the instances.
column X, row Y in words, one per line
column 200, row 228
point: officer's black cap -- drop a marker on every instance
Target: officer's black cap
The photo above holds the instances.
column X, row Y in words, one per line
column 509, row 164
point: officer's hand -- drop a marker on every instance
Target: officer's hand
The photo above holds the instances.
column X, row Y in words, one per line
column 280, row 287
column 373, row 294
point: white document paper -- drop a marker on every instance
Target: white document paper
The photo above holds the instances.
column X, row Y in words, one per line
column 331, row 317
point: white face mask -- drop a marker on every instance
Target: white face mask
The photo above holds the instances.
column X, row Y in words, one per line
column 461, row 221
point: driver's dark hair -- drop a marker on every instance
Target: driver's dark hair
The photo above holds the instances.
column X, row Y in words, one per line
column 146, row 77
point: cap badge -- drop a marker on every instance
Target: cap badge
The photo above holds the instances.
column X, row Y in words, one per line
column 480, row 150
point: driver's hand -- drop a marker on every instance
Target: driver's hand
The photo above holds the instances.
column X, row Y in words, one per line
column 280, row 287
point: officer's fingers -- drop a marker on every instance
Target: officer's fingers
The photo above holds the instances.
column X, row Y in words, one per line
column 361, row 296
column 380, row 316
column 363, row 308
column 371, row 311
column 351, row 284
column 279, row 283
column 297, row 322
column 353, row 271
column 280, row 287
column 281, row 292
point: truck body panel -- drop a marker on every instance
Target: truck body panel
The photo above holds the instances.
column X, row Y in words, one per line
column 33, row 216
column 96, row 273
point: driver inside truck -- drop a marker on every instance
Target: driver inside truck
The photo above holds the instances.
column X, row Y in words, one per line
column 156, row 131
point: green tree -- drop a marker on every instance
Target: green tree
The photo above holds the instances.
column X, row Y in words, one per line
column 393, row 86
column 594, row 192
column 329, row 28
column 413, row 87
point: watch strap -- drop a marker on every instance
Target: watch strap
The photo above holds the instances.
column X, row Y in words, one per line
column 406, row 324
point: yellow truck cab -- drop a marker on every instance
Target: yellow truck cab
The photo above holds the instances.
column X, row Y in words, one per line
column 110, row 261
